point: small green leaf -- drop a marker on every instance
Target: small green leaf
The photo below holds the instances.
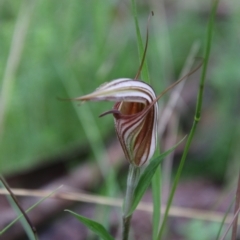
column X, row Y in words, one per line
column 146, row 177
column 94, row 226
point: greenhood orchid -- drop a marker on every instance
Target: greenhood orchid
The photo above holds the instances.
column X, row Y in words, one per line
column 135, row 115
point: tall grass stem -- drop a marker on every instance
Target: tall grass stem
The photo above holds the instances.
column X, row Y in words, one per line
column 197, row 114
column 144, row 73
column 14, row 199
column 132, row 181
column 237, row 205
column 14, row 57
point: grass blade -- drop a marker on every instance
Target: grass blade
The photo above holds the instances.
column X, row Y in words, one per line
column 28, row 210
column 23, row 221
column 197, row 114
column 27, row 224
column 14, row 58
column 94, row 226
column 230, row 225
column 144, row 72
column 224, row 219
column 237, row 205
column 156, row 195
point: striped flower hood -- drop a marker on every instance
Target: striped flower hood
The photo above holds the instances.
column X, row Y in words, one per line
column 135, row 115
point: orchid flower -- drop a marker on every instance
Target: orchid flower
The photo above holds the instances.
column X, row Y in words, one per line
column 135, row 115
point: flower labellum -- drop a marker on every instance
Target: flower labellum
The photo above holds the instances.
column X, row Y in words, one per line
column 135, row 114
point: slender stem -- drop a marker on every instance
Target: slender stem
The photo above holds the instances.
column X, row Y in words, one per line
column 19, row 206
column 144, row 74
column 224, row 219
column 133, row 177
column 126, row 226
column 28, row 210
column 14, row 58
column 230, row 225
column 196, row 118
column 237, row 205
column 156, row 195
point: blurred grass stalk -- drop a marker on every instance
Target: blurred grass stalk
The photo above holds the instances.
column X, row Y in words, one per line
column 171, row 120
column 236, row 209
column 234, row 219
column 96, row 142
column 29, row 209
column 26, row 223
column 13, row 61
column 14, row 57
column 86, row 115
column 224, row 219
column 197, row 113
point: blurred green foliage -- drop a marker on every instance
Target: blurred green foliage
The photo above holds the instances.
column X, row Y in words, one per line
column 193, row 230
column 73, row 46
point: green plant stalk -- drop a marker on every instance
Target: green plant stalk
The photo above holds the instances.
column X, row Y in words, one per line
column 17, row 206
column 224, row 218
column 196, row 117
column 156, row 181
column 144, row 72
column 132, row 181
column 230, row 225
column 156, row 195
column 28, row 210
column 237, row 205
column 14, row 58
column 23, row 221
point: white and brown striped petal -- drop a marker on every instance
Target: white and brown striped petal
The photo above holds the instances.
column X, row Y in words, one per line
column 135, row 115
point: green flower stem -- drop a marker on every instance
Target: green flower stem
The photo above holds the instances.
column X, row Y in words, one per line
column 156, row 195
column 197, row 115
column 144, row 73
column 132, row 181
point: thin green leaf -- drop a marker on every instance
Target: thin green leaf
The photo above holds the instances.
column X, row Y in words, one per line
column 231, row 224
column 145, row 73
column 156, row 195
column 31, row 235
column 146, row 177
column 197, row 115
column 25, row 221
column 92, row 225
column 28, row 210
column 237, row 206
column 224, row 218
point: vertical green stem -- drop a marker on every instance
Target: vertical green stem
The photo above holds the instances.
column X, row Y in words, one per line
column 237, row 205
column 156, row 195
column 197, row 114
column 19, row 207
column 133, row 177
column 14, row 58
column 144, row 74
